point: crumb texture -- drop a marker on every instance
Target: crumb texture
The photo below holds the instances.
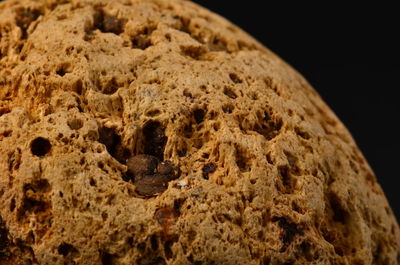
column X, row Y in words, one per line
column 156, row 132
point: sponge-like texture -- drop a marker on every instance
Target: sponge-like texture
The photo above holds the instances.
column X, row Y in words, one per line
column 156, row 132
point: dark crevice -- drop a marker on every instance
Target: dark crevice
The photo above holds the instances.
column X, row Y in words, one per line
column 286, row 183
column 112, row 140
column 339, row 213
column 142, row 40
column 228, row 108
column 289, row 231
column 154, row 139
column 4, row 110
column 24, row 17
column 268, row 126
column 199, row 115
column 194, row 52
column 65, row 249
column 108, row 23
column 300, row 132
column 107, row 258
column 4, row 242
column 242, row 161
column 230, row 93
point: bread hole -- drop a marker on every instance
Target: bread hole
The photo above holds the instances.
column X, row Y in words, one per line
column 75, row 124
column 198, row 115
column 228, row 108
column 4, row 242
column 340, row 215
column 207, row 169
column 63, row 69
column 142, row 40
column 4, row 111
column 110, row 138
column 153, row 113
column 286, row 180
column 268, row 127
column 242, row 161
column 92, row 182
column 235, row 78
column 185, row 27
column 65, row 249
column 168, row 37
column 168, row 250
column 6, row 133
column 111, row 87
column 154, row 242
column 107, row 258
column 302, row 133
column 12, row 205
column 306, row 250
column 154, row 139
column 194, row 52
column 112, row 141
column 107, row 23
column 188, row 130
column 187, row 94
column 40, row 146
column 78, row 88
column 289, row 231
column 230, row 93
column 205, row 155
column 216, row 126
column 24, row 17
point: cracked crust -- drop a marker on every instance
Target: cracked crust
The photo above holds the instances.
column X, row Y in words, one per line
column 267, row 173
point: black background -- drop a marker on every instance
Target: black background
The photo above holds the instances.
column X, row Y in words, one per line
column 351, row 57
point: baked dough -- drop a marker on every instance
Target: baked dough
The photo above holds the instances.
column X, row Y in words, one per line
column 156, row 132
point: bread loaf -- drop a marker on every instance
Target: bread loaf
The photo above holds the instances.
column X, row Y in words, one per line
column 156, row 132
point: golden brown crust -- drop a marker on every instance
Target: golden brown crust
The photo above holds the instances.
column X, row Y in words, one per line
column 267, row 173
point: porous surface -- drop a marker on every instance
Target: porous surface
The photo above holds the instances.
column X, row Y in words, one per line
column 156, row 132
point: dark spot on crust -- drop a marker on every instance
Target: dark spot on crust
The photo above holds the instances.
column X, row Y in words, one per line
column 142, row 165
column 289, row 231
column 208, row 169
column 151, row 176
